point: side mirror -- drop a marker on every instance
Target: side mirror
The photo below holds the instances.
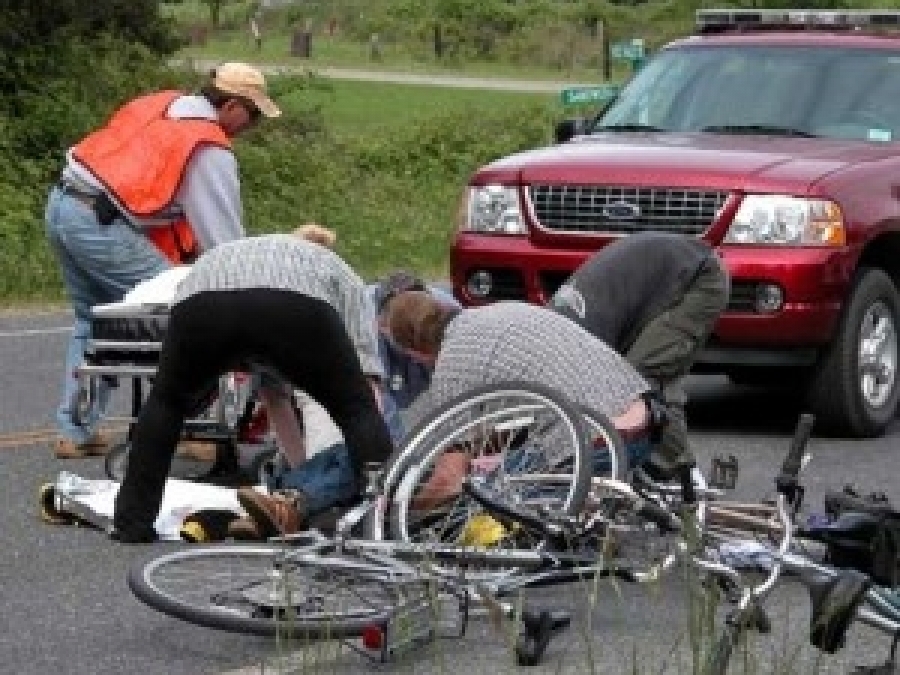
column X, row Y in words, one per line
column 569, row 128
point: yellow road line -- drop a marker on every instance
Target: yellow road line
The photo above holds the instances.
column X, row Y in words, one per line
column 24, row 438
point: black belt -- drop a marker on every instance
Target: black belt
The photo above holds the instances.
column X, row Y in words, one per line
column 89, row 198
column 98, row 202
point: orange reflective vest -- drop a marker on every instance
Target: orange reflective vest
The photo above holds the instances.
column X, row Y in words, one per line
column 140, row 157
column 176, row 241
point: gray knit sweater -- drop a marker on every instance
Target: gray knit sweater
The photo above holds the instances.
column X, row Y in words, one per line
column 289, row 263
column 516, row 341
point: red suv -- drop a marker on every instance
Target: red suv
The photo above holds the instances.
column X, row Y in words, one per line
column 775, row 136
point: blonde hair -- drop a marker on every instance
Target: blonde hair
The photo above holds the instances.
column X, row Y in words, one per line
column 415, row 320
column 316, row 234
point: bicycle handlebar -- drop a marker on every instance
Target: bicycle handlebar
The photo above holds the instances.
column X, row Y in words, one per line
column 786, row 481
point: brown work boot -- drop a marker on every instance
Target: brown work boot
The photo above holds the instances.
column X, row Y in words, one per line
column 200, row 451
column 276, row 514
column 96, row 446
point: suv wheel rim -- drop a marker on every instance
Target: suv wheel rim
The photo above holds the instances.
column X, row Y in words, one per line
column 877, row 355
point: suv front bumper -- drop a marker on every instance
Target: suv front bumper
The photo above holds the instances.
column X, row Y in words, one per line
column 813, row 282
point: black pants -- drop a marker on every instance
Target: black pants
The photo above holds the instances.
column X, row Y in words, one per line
column 214, row 332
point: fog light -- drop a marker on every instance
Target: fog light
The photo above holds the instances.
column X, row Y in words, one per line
column 480, row 284
column 769, row 298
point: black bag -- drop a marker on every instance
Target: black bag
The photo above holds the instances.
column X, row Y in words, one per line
column 875, row 550
column 886, row 551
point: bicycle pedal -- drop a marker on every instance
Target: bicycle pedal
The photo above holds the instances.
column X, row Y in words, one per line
column 534, row 638
column 723, row 473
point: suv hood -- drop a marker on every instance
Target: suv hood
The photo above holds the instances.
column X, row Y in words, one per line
column 717, row 161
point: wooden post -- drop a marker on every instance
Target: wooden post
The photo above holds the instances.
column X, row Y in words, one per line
column 604, row 41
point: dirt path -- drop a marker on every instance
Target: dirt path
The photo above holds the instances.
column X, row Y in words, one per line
column 458, row 81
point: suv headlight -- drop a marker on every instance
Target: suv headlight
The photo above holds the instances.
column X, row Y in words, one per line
column 494, row 209
column 780, row 219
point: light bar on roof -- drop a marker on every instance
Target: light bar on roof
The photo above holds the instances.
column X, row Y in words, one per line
column 731, row 18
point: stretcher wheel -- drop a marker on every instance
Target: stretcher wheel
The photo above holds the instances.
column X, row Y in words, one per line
column 258, row 469
column 183, row 467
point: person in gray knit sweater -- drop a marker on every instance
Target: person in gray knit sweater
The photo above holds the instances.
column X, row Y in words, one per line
column 508, row 341
column 279, row 302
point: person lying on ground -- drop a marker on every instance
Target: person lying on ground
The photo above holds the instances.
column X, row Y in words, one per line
column 280, row 301
column 654, row 297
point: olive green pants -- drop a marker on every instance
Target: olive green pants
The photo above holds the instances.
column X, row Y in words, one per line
column 666, row 348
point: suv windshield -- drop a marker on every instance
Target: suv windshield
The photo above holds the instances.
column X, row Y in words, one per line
column 775, row 90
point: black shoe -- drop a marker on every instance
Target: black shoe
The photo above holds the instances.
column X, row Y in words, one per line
column 134, row 536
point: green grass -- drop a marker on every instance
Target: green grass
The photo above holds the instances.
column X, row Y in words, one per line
column 355, row 107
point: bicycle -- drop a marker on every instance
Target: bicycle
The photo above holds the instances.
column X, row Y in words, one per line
column 364, row 589
column 379, row 596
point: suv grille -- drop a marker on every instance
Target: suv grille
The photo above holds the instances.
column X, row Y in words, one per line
column 624, row 210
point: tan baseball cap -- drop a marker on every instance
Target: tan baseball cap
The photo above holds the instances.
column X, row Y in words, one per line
column 244, row 80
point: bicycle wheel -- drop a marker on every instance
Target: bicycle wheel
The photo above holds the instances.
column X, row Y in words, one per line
column 526, row 441
column 605, row 446
column 265, row 590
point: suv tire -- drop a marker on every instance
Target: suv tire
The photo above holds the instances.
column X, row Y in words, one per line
column 849, row 397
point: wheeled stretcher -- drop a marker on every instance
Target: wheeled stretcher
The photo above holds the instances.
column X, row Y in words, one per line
column 124, row 349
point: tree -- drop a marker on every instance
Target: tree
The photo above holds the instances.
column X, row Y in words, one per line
column 32, row 23
column 34, row 34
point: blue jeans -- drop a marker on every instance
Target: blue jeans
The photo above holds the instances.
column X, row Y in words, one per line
column 636, row 453
column 100, row 264
column 326, row 480
column 525, row 458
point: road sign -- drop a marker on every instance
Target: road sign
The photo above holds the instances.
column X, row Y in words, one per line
column 579, row 95
column 631, row 50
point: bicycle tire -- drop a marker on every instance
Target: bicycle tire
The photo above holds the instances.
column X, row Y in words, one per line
column 605, row 444
column 525, row 411
column 206, row 578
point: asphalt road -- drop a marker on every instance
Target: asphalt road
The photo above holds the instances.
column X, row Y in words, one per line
column 66, row 607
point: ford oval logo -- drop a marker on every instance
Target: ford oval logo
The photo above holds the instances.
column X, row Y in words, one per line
column 621, row 211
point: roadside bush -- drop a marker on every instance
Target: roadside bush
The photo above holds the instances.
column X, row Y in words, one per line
column 99, row 76
column 34, row 33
